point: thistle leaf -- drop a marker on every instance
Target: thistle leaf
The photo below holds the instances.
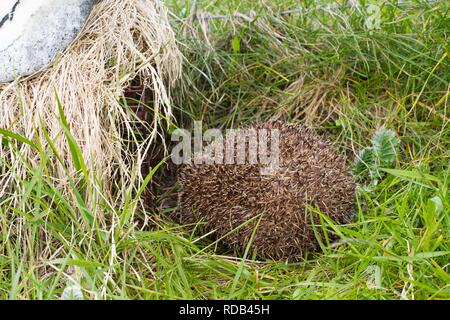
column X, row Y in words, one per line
column 364, row 161
column 385, row 144
column 381, row 154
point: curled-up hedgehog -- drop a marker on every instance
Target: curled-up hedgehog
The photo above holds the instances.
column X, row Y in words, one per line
column 238, row 202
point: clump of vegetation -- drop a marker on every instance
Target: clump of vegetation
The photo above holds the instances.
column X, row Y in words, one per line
column 272, row 214
column 381, row 154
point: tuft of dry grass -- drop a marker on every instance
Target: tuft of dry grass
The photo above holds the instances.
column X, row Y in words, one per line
column 315, row 100
column 122, row 40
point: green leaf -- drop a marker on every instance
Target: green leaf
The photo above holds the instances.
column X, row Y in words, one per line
column 364, row 161
column 17, row 137
column 412, row 174
column 381, row 154
column 236, row 44
column 385, row 144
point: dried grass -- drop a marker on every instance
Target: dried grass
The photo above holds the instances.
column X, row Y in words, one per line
column 122, row 40
column 315, row 100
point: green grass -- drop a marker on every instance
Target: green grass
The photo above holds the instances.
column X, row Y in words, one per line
column 323, row 69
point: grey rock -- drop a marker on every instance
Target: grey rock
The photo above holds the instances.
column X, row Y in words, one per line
column 33, row 32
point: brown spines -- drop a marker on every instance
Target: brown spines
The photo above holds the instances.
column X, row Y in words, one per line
column 225, row 197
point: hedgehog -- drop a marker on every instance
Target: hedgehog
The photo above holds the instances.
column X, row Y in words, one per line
column 276, row 212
